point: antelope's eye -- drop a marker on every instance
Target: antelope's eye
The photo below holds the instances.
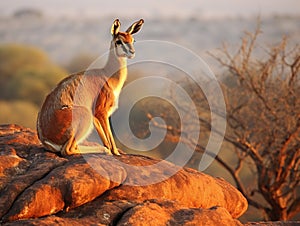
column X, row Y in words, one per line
column 118, row 42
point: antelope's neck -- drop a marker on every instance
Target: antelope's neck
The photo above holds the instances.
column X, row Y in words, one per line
column 116, row 70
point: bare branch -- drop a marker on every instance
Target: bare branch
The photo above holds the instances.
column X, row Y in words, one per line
column 263, row 123
column 294, row 208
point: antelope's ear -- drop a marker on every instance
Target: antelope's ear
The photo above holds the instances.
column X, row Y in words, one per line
column 115, row 27
column 135, row 27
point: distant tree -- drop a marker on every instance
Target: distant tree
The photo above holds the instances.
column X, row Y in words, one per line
column 263, row 124
column 28, row 13
column 26, row 73
column 18, row 112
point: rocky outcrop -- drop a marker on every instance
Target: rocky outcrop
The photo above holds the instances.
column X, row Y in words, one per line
column 40, row 188
column 274, row 223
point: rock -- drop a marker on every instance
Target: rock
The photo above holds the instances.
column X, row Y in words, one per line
column 274, row 223
column 188, row 187
column 41, row 188
column 67, row 186
column 168, row 213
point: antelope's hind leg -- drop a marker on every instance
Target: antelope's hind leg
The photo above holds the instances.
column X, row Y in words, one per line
column 70, row 147
column 80, row 127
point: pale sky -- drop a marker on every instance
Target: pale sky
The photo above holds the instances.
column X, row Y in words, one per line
column 154, row 9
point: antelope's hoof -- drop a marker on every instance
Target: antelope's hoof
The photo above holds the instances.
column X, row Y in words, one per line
column 119, row 152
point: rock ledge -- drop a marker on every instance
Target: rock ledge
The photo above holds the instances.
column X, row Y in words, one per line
column 41, row 188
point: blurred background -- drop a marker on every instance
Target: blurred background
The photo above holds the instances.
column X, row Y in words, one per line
column 41, row 42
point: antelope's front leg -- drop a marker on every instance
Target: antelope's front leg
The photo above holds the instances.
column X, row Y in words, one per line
column 108, row 134
column 102, row 134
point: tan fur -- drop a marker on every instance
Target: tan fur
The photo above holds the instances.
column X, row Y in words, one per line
column 127, row 38
column 86, row 100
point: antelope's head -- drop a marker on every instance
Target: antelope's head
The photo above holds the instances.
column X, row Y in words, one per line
column 123, row 41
